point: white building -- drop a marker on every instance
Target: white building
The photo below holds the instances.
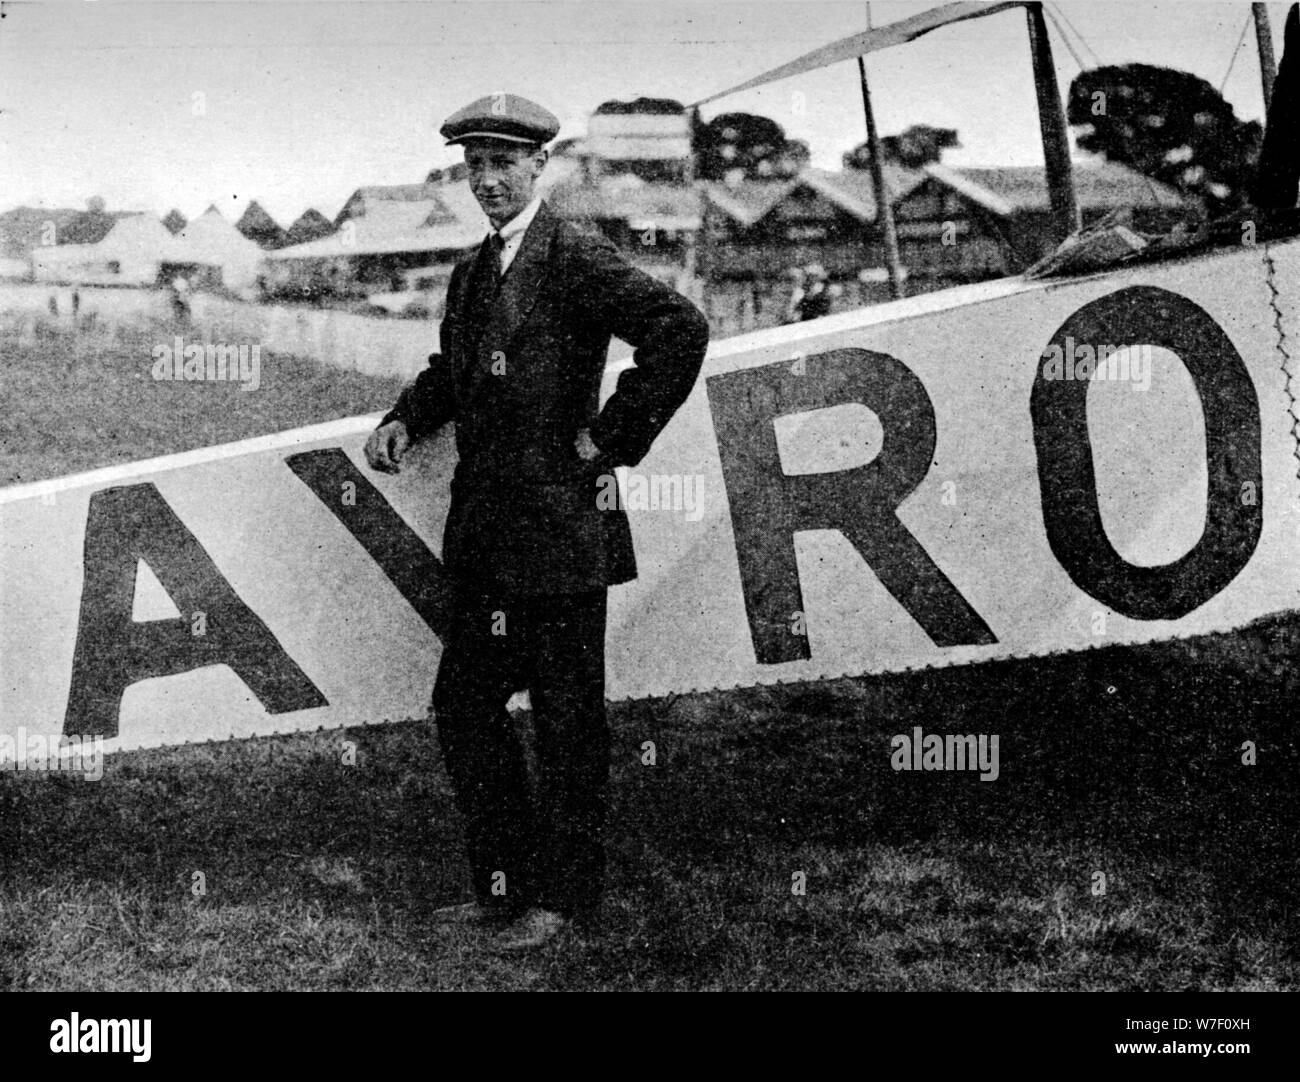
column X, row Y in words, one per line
column 132, row 253
column 212, row 241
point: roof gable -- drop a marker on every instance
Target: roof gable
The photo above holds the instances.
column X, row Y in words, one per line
column 1098, row 186
column 851, row 190
column 363, row 200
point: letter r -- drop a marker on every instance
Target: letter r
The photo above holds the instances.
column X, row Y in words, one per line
column 769, row 506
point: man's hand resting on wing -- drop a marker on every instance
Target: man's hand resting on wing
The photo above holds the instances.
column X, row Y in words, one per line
column 386, row 446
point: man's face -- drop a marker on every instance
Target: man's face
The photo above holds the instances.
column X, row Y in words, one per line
column 502, row 176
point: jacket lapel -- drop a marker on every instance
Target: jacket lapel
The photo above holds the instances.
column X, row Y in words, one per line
column 515, row 299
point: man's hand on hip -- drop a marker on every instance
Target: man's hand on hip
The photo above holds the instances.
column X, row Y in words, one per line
column 386, row 446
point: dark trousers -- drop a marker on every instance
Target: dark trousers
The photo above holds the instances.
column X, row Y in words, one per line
column 549, row 843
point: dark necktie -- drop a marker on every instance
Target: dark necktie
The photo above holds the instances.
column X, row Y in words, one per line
column 485, row 283
column 496, row 246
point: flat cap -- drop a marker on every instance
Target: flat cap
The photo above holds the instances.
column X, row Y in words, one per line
column 501, row 116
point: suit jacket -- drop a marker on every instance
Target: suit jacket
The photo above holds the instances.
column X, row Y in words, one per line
column 524, row 515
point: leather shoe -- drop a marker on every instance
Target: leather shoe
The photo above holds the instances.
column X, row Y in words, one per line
column 534, row 929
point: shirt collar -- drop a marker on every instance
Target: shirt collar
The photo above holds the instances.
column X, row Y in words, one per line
column 520, row 221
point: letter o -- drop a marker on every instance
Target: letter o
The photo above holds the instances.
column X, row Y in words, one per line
column 1142, row 315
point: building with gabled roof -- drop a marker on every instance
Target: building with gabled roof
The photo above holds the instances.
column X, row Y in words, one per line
column 1100, row 186
column 954, row 225
column 259, row 227
column 383, row 235
column 654, row 224
column 25, row 229
column 134, row 252
column 749, row 201
column 387, row 227
column 759, row 228
column 363, row 200
column 211, row 240
column 998, row 221
column 311, row 224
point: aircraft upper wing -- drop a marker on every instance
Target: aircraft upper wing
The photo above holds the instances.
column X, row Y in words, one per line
column 870, row 41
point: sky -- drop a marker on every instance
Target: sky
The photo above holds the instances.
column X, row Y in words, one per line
column 185, row 104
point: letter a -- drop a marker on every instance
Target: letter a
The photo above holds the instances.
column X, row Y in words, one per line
column 901, row 759
column 125, row 525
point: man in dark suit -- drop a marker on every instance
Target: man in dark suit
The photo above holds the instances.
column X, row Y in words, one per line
column 531, row 552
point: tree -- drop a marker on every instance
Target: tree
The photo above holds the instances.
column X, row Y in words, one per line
column 794, row 157
column 1170, row 125
column 745, row 145
column 90, row 226
column 914, row 147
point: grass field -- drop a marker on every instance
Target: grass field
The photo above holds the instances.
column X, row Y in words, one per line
column 318, row 874
column 77, row 402
column 1124, row 761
